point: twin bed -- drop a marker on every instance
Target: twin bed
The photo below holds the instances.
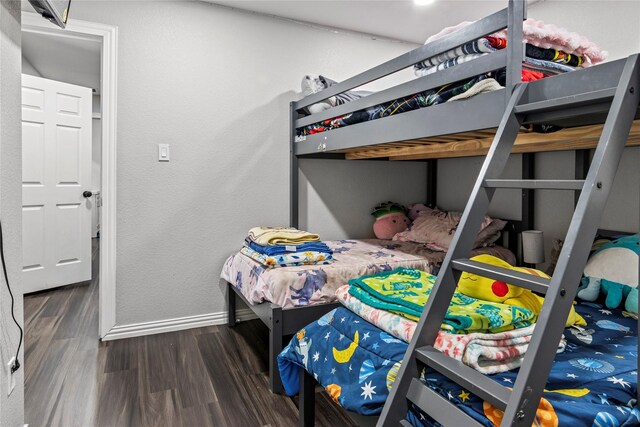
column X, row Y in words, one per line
column 594, row 381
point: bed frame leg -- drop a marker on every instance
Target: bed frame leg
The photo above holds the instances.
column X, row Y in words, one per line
column 306, row 400
column 275, row 347
column 231, row 305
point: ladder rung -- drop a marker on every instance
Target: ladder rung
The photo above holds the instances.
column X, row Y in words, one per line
column 537, row 184
column 593, row 97
column 506, row 275
column 475, row 382
column 439, row 408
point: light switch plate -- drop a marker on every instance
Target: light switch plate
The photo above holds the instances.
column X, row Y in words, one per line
column 163, row 153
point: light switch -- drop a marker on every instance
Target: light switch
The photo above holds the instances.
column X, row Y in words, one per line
column 163, row 152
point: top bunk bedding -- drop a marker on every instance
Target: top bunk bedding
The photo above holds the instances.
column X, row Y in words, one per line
column 316, row 284
column 460, row 63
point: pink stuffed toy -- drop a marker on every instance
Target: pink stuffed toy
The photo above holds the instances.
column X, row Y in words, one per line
column 390, row 219
column 417, row 209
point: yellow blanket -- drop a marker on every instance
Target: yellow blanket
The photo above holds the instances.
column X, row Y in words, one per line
column 266, row 236
column 490, row 290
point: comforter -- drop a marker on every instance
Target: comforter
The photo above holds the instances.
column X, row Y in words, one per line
column 593, row 382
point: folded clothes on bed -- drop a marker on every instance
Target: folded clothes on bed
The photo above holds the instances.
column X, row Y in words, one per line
column 288, row 260
column 272, row 250
column 281, row 236
column 486, row 353
column 476, row 48
column 405, row 292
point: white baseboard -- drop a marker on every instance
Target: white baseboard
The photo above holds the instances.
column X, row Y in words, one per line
column 176, row 324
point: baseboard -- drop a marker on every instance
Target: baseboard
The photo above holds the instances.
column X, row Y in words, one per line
column 176, row 324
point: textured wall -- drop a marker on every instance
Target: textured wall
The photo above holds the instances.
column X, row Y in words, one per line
column 215, row 83
column 11, row 407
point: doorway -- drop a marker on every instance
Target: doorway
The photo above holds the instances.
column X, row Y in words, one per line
column 85, row 54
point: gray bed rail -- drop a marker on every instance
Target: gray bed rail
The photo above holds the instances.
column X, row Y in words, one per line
column 511, row 58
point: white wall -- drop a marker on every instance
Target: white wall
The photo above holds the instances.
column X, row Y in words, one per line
column 613, row 25
column 11, row 407
column 215, row 83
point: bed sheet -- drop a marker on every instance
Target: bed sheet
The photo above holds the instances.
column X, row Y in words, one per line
column 316, row 284
column 593, row 382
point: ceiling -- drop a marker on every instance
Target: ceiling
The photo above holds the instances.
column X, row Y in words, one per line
column 65, row 59
column 394, row 19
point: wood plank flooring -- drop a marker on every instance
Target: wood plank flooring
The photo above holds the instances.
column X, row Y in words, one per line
column 213, row 376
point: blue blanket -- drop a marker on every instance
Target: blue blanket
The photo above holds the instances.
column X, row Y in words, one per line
column 592, row 383
column 287, row 249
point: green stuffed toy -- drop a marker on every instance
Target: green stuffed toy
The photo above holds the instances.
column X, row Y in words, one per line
column 612, row 270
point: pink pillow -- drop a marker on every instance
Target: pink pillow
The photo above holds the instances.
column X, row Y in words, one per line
column 436, row 228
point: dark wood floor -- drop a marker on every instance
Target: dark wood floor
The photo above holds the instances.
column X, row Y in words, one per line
column 214, row 376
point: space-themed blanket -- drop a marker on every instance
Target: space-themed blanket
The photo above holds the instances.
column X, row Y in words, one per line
column 405, row 291
column 486, row 353
column 593, row 382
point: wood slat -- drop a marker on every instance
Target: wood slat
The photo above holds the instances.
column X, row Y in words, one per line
column 477, row 144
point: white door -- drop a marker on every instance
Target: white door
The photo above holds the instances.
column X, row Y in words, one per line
column 56, row 170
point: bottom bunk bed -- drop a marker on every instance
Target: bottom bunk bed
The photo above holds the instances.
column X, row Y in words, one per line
column 286, row 299
column 592, row 382
column 356, row 350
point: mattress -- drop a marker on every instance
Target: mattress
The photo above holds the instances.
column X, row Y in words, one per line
column 316, row 284
column 593, row 382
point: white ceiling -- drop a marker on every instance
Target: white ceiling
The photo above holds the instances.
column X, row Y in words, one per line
column 65, row 59
column 395, row 19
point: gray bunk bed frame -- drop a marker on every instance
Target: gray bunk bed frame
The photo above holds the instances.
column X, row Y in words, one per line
column 589, row 90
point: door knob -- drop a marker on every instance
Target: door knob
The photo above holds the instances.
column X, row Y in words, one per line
column 87, row 194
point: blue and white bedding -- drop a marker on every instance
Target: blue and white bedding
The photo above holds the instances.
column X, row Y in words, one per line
column 593, row 382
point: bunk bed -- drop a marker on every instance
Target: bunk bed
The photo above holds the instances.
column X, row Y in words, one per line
column 436, row 132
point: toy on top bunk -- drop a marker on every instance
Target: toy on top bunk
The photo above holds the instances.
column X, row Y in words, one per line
column 549, row 50
column 285, row 247
column 612, row 271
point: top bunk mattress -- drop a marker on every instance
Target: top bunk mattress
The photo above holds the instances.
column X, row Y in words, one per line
column 316, row 284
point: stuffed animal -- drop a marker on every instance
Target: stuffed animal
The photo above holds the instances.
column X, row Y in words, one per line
column 311, row 84
column 612, row 270
column 416, row 209
column 492, row 290
column 390, row 219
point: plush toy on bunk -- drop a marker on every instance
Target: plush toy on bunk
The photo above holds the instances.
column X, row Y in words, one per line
column 612, row 271
column 432, row 227
column 285, row 247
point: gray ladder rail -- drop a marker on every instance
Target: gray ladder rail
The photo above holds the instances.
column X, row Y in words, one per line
column 527, row 391
column 427, row 329
column 536, row 184
column 523, row 280
column 533, row 374
column 465, row 376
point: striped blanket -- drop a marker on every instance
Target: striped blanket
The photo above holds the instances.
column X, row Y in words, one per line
column 486, row 353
